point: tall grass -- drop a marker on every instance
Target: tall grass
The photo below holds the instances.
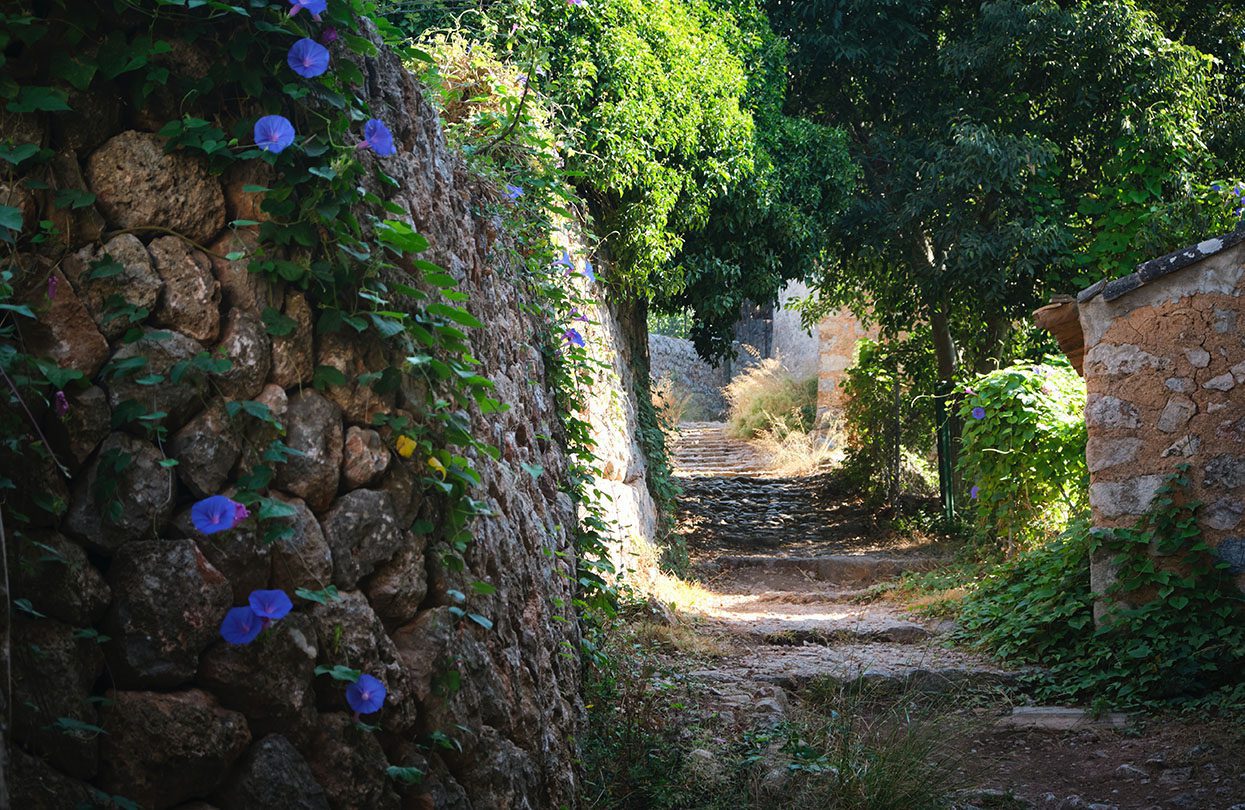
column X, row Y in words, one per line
column 766, row 398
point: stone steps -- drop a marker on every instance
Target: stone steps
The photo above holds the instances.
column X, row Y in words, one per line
column 839, row 569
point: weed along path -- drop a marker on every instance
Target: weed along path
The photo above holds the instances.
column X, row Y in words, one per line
column 799, row 688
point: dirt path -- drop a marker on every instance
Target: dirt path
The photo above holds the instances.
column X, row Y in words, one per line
column 784, row 562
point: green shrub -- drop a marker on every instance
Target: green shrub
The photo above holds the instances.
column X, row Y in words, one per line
column 767, row 399
column 1023, row 449
column 887, row 404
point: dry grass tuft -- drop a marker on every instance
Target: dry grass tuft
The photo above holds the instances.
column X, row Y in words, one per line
column 766, row 397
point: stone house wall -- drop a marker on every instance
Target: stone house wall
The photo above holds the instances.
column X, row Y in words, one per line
column 1165, row 376
column 676, row 359
column 838, row 333
column 187, row 716
column 798, row 349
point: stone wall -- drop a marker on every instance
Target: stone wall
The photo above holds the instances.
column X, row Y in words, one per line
column 838, row 333
column 797, row 348
column 1165, row 376
column 186, row 716
column 676, row 359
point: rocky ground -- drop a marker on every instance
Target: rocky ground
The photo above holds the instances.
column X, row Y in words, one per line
column 783, row 563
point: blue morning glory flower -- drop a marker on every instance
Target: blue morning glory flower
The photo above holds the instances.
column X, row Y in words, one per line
column 588, row 272
column 566, row 262
column 377, row 137
column 572, row 336
column 1216, row 187
column 514, row 192
column 273, row 133
column 270, row 605
column 366, row 695
column 308, row 58
column 215, row 514
column 974, row 492
column 979, row 412
column 241, row 626
column 316, row 7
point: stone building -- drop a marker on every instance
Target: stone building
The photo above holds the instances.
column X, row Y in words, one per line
column 1164, row 365
column 837, row 336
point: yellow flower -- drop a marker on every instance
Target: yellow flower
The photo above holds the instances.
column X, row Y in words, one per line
column 406, row 446
column 435, row 463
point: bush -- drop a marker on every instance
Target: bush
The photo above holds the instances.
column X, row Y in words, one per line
column 767, row 399
column 1023, row 449
column 887, row 392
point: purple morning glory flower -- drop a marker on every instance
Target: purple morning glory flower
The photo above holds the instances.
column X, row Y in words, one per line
column 53, row 283
column 974, row 492
column 215, row 514
column 566, row 262
column 572, row 336
column 316, row 7
column 377, row 137
column 576, row 315
column 366, row 695
column 588, row 271
column 60, row 403
column 329, row 35
column 514, row 192
column 577, row 2
column 979, row 412
column 308, row 58
column 273, row 133
column 241, row 626
column 270, row 605
column 241, row 513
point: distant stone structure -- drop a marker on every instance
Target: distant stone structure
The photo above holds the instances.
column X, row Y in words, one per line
column 837, row 336
column 1164, row 365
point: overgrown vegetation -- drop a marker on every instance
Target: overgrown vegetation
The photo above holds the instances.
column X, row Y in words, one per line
column 766, row 398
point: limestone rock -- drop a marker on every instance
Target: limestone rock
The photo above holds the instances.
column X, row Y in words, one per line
column 1226, row 471
column 399, row 585
column 1198, row 358
column 273, row 775
column 1111, row 412
column 206, row 448
column 136, row 284
column 240, row 555
column 1224, row 382
column 162, row 351
column 1176, row 414
column 139, row 184
column 362, row 530
column 313, row 427
column 53, row 674
column 245, row 343
column 350, row 765
column 58, row 579
column 358, row 400
column 191, row 300
column 168, row 603
column 1224, row 514
column 242, row 204
column 36, row 785
column 240, row 288
column 364, row 458
column 94, row 114
column 292, row 356
column 65, row 332
column 1102, row 452
column 126, row 495
column 75, row 435
column 268, row 680
column 164, row 748
column 301, row 559
column 403, row 487
column 1112, row 499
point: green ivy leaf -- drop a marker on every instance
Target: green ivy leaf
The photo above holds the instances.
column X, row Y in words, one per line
column 339, row 673
column 39, row 99
column 322, row 597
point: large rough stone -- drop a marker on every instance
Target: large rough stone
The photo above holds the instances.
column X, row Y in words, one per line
column 364, row 459
column 58, row 579
column 162, row 351
column 292, row 357
column 1224, row 382
column 137, row 284
column 362, row 530
column 1113, row 360
column 1198, row 358
column 72, row 227
column 245, row 343
column 1232, row 551
column 273, row 775
column 168, row 602
column 1176, row 414
column 242, row 204
column 1111, row 413
column 206, row 448
column 36, row 785
column 139, row 185
column 351, row 634
column 1225, row 514
column 240, row 288
column 268, row 680
column 240, row 554
column 302, row 558
column 191, row 300
column 162, row 749
column 1226, row 471
column 403, row 487
column 65, row 332
column 1102, row 452
column 358, row 400
column 75, row 435
column 1113, row 499
column 350, row 764
column 53, row 673
column 314, row 428
column 399, row 585
column 126, row 495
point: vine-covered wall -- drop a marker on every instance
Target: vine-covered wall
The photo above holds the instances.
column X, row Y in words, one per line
column 163, row 354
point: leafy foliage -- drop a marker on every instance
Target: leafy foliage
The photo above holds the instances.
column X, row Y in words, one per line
column 1023, row 451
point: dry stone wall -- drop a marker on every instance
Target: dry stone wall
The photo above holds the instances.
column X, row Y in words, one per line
column 676, row 360
column 189, row 720
column 1165, row 379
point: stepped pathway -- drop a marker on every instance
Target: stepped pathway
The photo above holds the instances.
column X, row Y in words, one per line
column 785, row 562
